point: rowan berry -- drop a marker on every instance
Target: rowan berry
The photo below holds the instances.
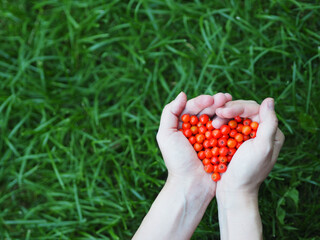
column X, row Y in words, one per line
column 222, row 168
column 206, row 161
column 198, row 146
column 187, row 133
column 200, row 138
column 213, row 142
column 215, row 160
column 223, row 151
column 232, row 124
column 204, row 118
column 246, row 130
column 194, row 120
column 208, row 134
column 254, row 126
column 208, row 168
column 206, row 144
column 186, row 125
column 225, row 129
column 222, row 142
column 239, row 137
column 185, row 118
column 201, row 155
column 247, row 122
column 192, row 140
column 216, row 133
column 232, row 133
column 209, row 126
column 231, row 143
column 194, row 130
column 215, row 176
column 238, row 119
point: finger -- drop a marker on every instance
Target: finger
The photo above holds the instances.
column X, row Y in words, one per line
column 240, row 108
column 197, row 104
column 278, row 143
column 219, row 100
column 217, row 122
column 170, row 114
column 228, row 96
column 268, row 122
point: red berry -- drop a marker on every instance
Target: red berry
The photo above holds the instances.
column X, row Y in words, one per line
column 204, row 118
column 208, row 134
column 208, row 153
column 215, row 176
column 231, row 143
column 253, row 134
column 186, row 125
column 202, row 129
column 225, row 129
column 200, row 138
column 201, row 155
column 206, row 144
column 187, row 133
column 198, row 146
column 222, row 168
column 232, row 124
column 239, row 144
column 206, row 161
column 194, row 130
column 231, row 151
column 246, row 137
column 254, row 126
column 247, row 122
column 215, row 160
column 238, row 119
column 215, row 168
column 239, row 127
column 246, row 130
column 223, row 151
column 192, row 140
column 215, row 151
column 239, row 137
column 185, row 118
column 229, row 158
column 208, row 168
column 194, row 120
column 216, row 133
column 223, row 159
column 232, row 133
column 213, row 142
column 209, row 126
column 222, row 142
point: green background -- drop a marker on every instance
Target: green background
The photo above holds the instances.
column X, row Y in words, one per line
column 82, row 87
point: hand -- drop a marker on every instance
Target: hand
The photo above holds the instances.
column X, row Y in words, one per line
column 256, row 157
column 237, row 191
column 180, row 158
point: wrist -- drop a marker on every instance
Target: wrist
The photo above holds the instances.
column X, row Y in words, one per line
column 191, row 188
column 239, row 216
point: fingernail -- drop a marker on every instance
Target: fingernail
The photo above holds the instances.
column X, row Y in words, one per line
column 271, row 104
column 179, row 95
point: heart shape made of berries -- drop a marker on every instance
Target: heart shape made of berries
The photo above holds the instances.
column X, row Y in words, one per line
column 216, row 147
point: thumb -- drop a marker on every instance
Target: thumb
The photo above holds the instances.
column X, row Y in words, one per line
column 268, row 122
column 170, row 114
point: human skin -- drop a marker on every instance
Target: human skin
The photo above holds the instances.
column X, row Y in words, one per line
column 237, row 191
column 181, row 203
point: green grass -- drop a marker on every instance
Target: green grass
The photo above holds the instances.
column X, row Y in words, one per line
column 82, row 87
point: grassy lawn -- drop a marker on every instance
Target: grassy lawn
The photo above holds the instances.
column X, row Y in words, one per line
column 82, row 87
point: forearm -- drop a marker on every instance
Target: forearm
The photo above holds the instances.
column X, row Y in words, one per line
column 239, row 216
column 175, row 213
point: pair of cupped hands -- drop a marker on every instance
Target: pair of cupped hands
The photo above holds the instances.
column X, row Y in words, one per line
column 250, row 165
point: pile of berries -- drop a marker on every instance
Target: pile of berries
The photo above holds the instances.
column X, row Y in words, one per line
column 216, row 147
